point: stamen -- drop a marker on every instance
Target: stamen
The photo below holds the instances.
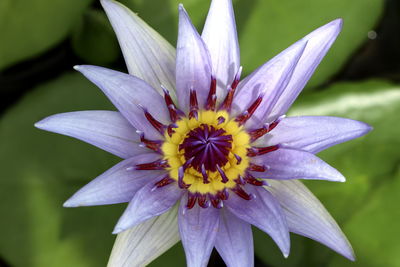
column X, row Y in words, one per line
column 155, row 165
column 241, row 193
column 181, row 174
column 257, row 151
column 204, row 174
column 240, row 180
column 223, row 175
column 215, row 202
column 231, row 92
column 191, row 200
column 253, row 181
column 174, row 112
column 256, row 168
column 154, row 145
column 164, row 181
column 170, row 129
column 223, row 194
column 238, row 159
column 156, row 124
column 220, row 120
column 257, row 133
column 241, row 119
column 212, row 97
column 203, row 202
column 194, row 106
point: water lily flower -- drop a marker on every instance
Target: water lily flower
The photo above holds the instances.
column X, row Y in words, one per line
column 205, row 153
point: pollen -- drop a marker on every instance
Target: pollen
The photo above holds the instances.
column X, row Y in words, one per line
column 207, row 153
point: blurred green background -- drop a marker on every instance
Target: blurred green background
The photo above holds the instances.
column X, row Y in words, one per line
column 41, row 41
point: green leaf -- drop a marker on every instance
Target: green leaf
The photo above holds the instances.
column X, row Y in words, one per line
column 40, row 170
column 94, row 40
column 364, row 206
column 267, row 27
column 31, row 27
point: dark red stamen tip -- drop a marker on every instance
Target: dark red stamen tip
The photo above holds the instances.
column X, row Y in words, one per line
column 227, row 103
column 223, row 194
column 223, row 175
column 155, row 165
column 194, row 106
column 203, row 202
column 191, row 201
column 154, row 145
column 155, row 123
column 256, row 168
column 212, row 97
column 257, row 151
column 238, row 190
column 181, row 174
column 253, row 181
column 164, row 181
column 241, row 119
column 174, row 112
column 257, row 133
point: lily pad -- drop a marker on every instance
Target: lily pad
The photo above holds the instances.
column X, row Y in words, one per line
column 31, row 27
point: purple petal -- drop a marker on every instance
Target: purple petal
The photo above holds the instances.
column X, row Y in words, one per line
column 141, row 244
column 269, row 81
column 198, row 228
column 108, row 130
column 264, row 212
column 129, row 94
column 307, row 216
column 315, row 134
column 148, row 202
column 235, row 241
column 193, row 64
column 147, row 54
column 318, row 44
column 220, row 36
column 117, row 185
column 286, row 164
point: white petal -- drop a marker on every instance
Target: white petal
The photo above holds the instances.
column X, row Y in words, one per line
column 130, row 95
column 268, row 81
column 285, row 164
column 235, row 241
column 198, row 228
column 307, row 216
column 147, row 54
column 220, row 36
column 318, row 44
column 108, row 130
column 140, row 245
column 314, row 134
column 193, row 64
column 117, row 185
column 148, row 202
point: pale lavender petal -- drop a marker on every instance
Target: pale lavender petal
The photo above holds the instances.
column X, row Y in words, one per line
column 141, row 244
column 108, row 130
column 264, row 212
column 235, row 241
column 193, row 64
column 117, row 185
column 220, row 36
column 307, row 216
column 318, row 44
column 130, row 95
column 198, row 228
column 147, row 54
column 314, row 134
column 148, row 202
column 268, row 81
column 286, row 164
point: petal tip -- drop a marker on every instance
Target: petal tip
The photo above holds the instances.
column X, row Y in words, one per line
column 70, row 204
